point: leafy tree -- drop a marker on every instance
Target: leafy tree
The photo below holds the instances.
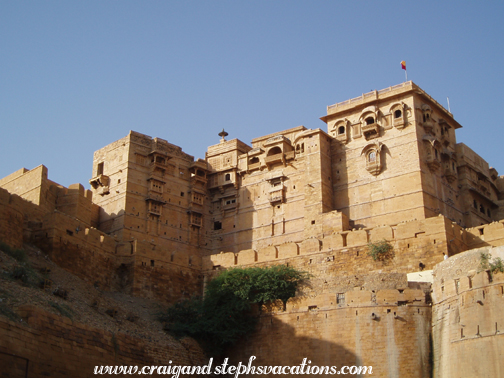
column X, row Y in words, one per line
column 224, row 315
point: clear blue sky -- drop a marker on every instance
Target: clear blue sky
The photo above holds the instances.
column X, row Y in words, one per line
column 78, row 75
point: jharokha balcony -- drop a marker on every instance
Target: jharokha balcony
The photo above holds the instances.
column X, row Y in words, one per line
column 276, row 158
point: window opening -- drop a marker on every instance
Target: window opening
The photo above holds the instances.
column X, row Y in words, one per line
column 340, row 298
column 397, row 114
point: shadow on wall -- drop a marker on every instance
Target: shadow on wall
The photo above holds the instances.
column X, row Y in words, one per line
column 275, row 343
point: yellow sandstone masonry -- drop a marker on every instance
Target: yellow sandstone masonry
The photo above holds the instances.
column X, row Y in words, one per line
column 159, row 223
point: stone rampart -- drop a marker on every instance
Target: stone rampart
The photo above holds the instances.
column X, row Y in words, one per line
column 84, row 251
column 487, row 235
column 78, row 203
column 50, row 345
column 417, row 245
column 387, row 329
column 11, row 219
column 467, row 322
column 137, row 267
column 165, row 275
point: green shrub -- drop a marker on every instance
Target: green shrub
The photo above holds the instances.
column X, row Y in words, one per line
column 25, row 273
column 381, row 251
column 18, row 254
column 225, row 314
column 494, row 266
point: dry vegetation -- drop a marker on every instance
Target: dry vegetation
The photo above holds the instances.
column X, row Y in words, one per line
column 23, row 272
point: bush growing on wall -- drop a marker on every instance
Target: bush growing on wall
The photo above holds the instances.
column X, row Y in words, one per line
column 380, row 251
column 224, row 315
column 494, row 266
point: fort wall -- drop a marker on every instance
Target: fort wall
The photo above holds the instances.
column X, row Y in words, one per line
column 416, row 242
column 387, row 329
column 11, row 219
column 136, row 267
column 45, row 344
column 467, row 319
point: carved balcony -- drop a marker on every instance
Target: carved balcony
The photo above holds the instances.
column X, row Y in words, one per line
column 277, row 158
column 196, row 220
column 374, row 167
column 276, row 194
column 254, row 166
column 399, row 123
column 101, row 184
column 289, row 155
column 428, row 125
column 449, row 175
column 371, row 131
column 433, row 163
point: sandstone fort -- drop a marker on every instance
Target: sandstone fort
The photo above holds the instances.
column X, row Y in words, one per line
column 158, row 223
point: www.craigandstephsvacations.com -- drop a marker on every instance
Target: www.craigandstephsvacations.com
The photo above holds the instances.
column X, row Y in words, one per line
column 177, row 370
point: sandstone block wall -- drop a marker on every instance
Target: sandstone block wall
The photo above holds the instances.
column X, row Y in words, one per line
column 467, row 321
column 49, row 345
column 416, row 242
column 84, row 251
column 487, row 235
column 136, row 267
column 11, row 219
column 387, row 330
column 164, row 274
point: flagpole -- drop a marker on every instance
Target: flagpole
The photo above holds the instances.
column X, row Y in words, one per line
column 403, row 66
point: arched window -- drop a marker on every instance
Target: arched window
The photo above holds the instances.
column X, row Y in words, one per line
column 398, row 114
column 370, row 120
column 274, row 151
column 341, row 130
column 227, row 177
column 372, row 156
column 254, row 160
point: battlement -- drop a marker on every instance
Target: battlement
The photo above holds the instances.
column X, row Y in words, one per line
column 420, row 240
column 467, row 313
column 487, row 235
column 357, row 298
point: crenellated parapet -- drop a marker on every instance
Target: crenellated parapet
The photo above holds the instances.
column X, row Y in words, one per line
column 467, row 314
column 486, row 235
column 376, row 323
column 424, row 241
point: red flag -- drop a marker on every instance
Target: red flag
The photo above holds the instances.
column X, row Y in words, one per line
column 403, row 65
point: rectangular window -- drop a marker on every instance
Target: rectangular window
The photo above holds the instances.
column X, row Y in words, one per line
column 340, row 298
column 99, row 169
